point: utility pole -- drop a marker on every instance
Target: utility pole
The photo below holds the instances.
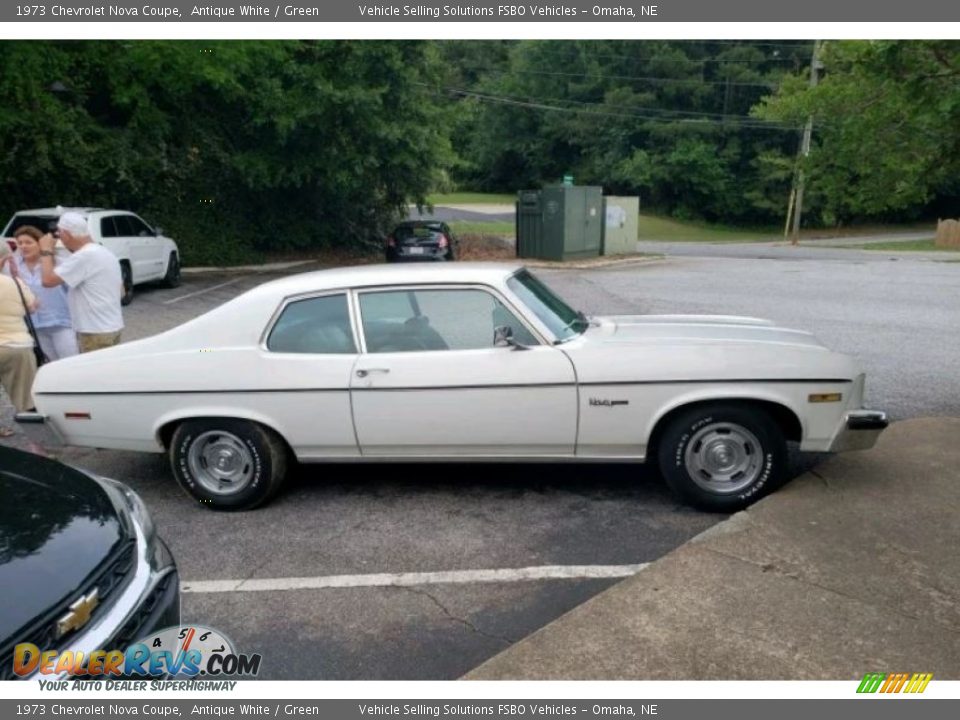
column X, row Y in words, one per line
column 815, row 66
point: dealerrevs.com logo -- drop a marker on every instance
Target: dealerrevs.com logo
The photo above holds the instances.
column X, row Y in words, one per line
column 889, row 683
column 175, row 652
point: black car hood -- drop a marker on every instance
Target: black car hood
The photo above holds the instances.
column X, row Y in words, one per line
column 56, row 526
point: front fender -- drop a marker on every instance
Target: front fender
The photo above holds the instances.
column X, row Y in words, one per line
column 731, row 392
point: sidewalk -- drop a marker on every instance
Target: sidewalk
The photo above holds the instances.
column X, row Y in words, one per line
column 851, row 568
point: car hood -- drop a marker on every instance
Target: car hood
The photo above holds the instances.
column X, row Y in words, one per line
column 701, row 348
column 56, row 526
column 705, row 329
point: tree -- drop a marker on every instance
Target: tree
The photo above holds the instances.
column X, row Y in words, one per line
column 235, row 147
column 887, row 126
column 665, row 119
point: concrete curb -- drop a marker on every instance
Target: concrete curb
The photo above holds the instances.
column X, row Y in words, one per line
column 548, row 264
column 589, row 264
column 267, row 267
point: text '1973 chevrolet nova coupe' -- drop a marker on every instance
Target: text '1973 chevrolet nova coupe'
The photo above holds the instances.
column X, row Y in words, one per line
column 458, row 362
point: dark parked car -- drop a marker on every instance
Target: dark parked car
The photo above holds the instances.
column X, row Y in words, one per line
column 81, row 565
column 420, row 240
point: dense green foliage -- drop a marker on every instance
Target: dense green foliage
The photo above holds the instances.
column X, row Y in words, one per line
column 887, row 115
column 232, row 147
column 666, row 119
column 711, row 129
column 238, row 148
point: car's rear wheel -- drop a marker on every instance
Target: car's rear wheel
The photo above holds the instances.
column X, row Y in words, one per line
column 126, row 275
column 722, row 457
column 172, row 278
column 228, row 464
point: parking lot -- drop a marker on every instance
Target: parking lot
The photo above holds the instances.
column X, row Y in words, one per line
column 423, row 571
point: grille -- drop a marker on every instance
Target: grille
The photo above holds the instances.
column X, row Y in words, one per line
column 132, row 629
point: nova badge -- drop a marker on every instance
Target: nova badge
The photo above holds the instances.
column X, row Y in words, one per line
column 604, row 402
column 79, row 614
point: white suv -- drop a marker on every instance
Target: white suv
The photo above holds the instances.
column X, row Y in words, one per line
column 145, row 254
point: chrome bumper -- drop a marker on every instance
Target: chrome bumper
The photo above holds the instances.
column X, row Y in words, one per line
column 859, row 431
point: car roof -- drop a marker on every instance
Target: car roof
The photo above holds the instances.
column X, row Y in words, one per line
column 392, row 274
column 435, row 225
column 61, row 210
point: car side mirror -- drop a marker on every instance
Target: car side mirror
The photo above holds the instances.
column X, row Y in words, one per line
column 503, row 337
column 158, row 231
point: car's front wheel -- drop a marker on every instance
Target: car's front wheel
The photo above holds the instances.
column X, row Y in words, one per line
column 722, row 457
column 228, row 464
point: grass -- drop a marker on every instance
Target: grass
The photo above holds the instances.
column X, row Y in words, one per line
column 655, row 228
column 499, row 228
column 660, row 229
column 471, row 198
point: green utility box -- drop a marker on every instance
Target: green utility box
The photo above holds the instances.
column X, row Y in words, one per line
column 563, row 222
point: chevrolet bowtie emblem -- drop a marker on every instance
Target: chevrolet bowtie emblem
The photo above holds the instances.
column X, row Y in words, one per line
column 79, row 615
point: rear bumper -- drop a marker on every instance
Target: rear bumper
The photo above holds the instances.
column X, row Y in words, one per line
column 859, row 431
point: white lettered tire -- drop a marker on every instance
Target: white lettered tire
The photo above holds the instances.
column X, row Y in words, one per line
column 722, row 457
column 227, row 464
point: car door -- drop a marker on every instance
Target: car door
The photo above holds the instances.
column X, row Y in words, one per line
column 430, row 381
column 146, row 250
column 311, row 349
column 126, row 244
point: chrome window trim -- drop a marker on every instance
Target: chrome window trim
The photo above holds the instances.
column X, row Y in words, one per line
column 489, row 289
column 289, row 300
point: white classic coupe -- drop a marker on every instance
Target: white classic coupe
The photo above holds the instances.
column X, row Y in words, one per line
column 458, row 362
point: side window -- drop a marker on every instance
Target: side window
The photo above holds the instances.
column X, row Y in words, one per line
column 140, row 228
column 316, row 325
column 417, row 320
column 124, row 226
column 108, row 228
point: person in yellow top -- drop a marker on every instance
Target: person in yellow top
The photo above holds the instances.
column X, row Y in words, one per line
column 18, row 366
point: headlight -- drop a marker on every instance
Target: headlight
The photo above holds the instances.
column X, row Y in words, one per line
column 127, row 500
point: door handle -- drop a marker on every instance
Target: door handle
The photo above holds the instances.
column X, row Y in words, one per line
column 364, row 372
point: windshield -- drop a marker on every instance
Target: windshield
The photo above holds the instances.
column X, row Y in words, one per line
column 562, row 320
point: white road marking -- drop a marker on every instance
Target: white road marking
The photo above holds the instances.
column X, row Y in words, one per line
column 201, row 292
column 449, row 577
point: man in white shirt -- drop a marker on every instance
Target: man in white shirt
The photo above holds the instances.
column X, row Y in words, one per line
column 92, row 273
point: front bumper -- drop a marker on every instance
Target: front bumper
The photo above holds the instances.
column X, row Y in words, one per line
column 859, row 431
column 150, row 600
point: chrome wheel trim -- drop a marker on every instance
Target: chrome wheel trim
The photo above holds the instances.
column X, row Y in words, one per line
column 221, row 462
column 724, row 458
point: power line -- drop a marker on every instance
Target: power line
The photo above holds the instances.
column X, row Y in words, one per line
column 695, row 113
column 483, row 97
column 588, row 53
column 772, row 84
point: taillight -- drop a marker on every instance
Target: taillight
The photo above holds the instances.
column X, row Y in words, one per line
column 391, row 241
column 444, row 242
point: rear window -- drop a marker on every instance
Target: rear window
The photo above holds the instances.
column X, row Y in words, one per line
column 318, row 325
column 43, row 223
column 406, row 232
